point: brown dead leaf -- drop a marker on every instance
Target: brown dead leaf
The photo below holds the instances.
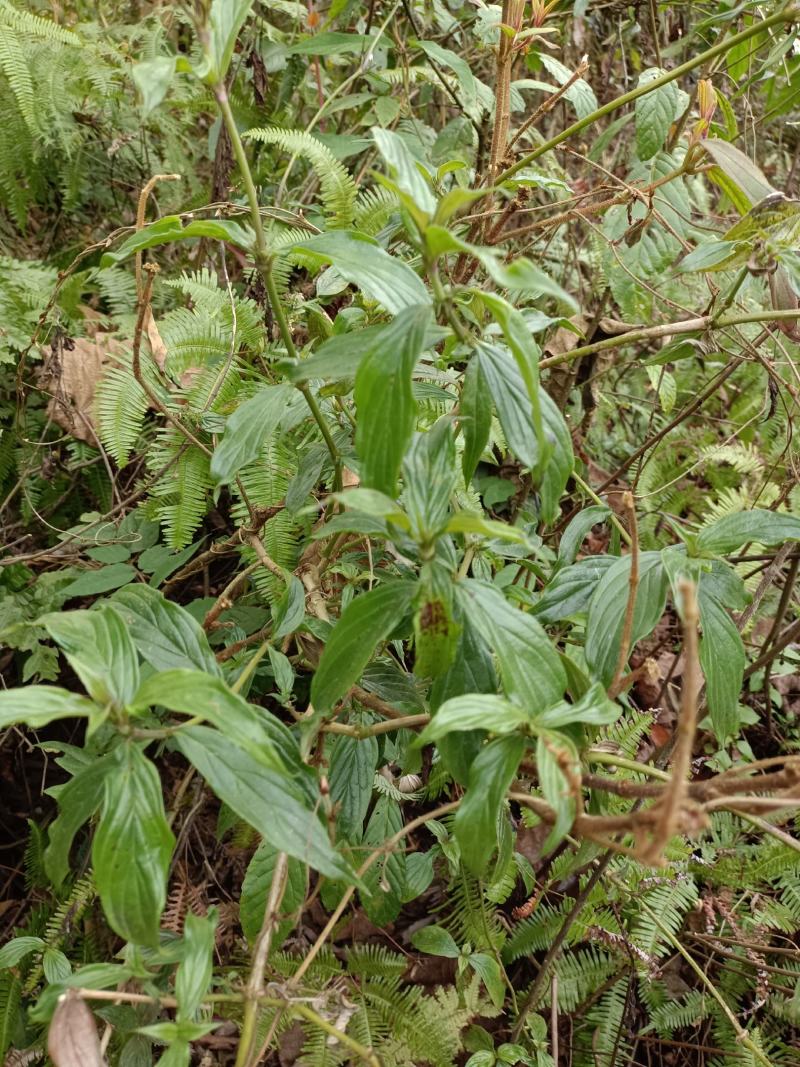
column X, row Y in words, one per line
column 72, row 1040
column 71, row 373
column 158, row 349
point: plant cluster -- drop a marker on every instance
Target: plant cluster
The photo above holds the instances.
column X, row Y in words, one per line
column 398, row 613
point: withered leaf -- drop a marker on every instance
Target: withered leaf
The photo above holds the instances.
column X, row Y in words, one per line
column 73, row 1040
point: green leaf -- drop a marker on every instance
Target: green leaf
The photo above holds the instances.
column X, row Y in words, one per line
column 385, row 880
column 373, row 502
column 255, row 891
column 165, row 634
column 38, row 705
column 459, row 66
column 715, row 255
column 474, row 417
column 17, row 949
column 514, row 411
column 246, row 431
column 102, row 580
column 435, row 941
column 406, row 171
column 474, row 711
column 366, row 621
column 271, row 802
column 532, row 672
column 429, row 476
column 100, row 651
column 607, row 610
column 580, row 94
column 194, row 693
column 225, row 21
column 488, row 970
column 132, row 848
column 490, row 776
column 472, row 671
column 331, row 44
column 723, row 658
column 473, row 522
column 552, row 750
column 385, row 403
column 739, row 169
column 594, row 708
column 171, row 229
column 655, row 113
column 78, row 800
column 350, row 774
column 571, row 591
column 288, row 613
column 759, row 525
column 526, row 354
column 363, row 262
column 193, row 976
column 55, row 965
column 153, row 79
column 579, row 527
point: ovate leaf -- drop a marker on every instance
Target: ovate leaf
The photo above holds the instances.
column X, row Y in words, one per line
column 350, row 775
column 406, row 171
column 384, row 882
column 256, row 887
column 435, row 941
column 132, row 848
column 532, row 673
column 363, row 262
column 475, row 711
column 153, row 79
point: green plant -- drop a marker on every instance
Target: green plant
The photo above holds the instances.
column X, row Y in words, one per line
column 421, row 543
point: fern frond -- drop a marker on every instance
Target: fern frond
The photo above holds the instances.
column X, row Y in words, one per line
column 14, row 66
column 120, row 408
column 338, row 188
column 35, row 26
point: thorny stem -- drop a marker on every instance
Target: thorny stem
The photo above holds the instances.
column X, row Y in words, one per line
column 263, row 261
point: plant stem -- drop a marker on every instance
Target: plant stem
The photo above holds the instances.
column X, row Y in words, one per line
column 615, row 687
column 787, row 14
column 263, row 261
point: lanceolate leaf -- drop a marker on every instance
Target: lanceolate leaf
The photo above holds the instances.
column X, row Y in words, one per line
column 272, row 803
column 385, row 880
column 572, row 538
column 38, row 705
column 366, row 265
column 532, row 673
column 474, row 416
column 100, row 651
column 78, row 800
column 247, row 429
column 171, row 228
column 132, row 848
column 735, row 530
column 196, row 694
column 384, row 400
column 165, row 634
column 476, row 819
column 655, row 113
column 407, row 174
column 366, row 621
column 607, row 610
column 476, row 711
column 722, row 657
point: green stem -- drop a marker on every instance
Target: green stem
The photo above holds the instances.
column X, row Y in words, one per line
column 787, row 14
column 263, row 261
column 730, row 295
column 668, row 329
column 612, row 518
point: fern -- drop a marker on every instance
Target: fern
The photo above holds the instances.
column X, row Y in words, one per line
column 120, row 407
column 337, row 186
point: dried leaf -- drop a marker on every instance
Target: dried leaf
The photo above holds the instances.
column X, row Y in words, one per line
column 71, row 374
column 73, row 1040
